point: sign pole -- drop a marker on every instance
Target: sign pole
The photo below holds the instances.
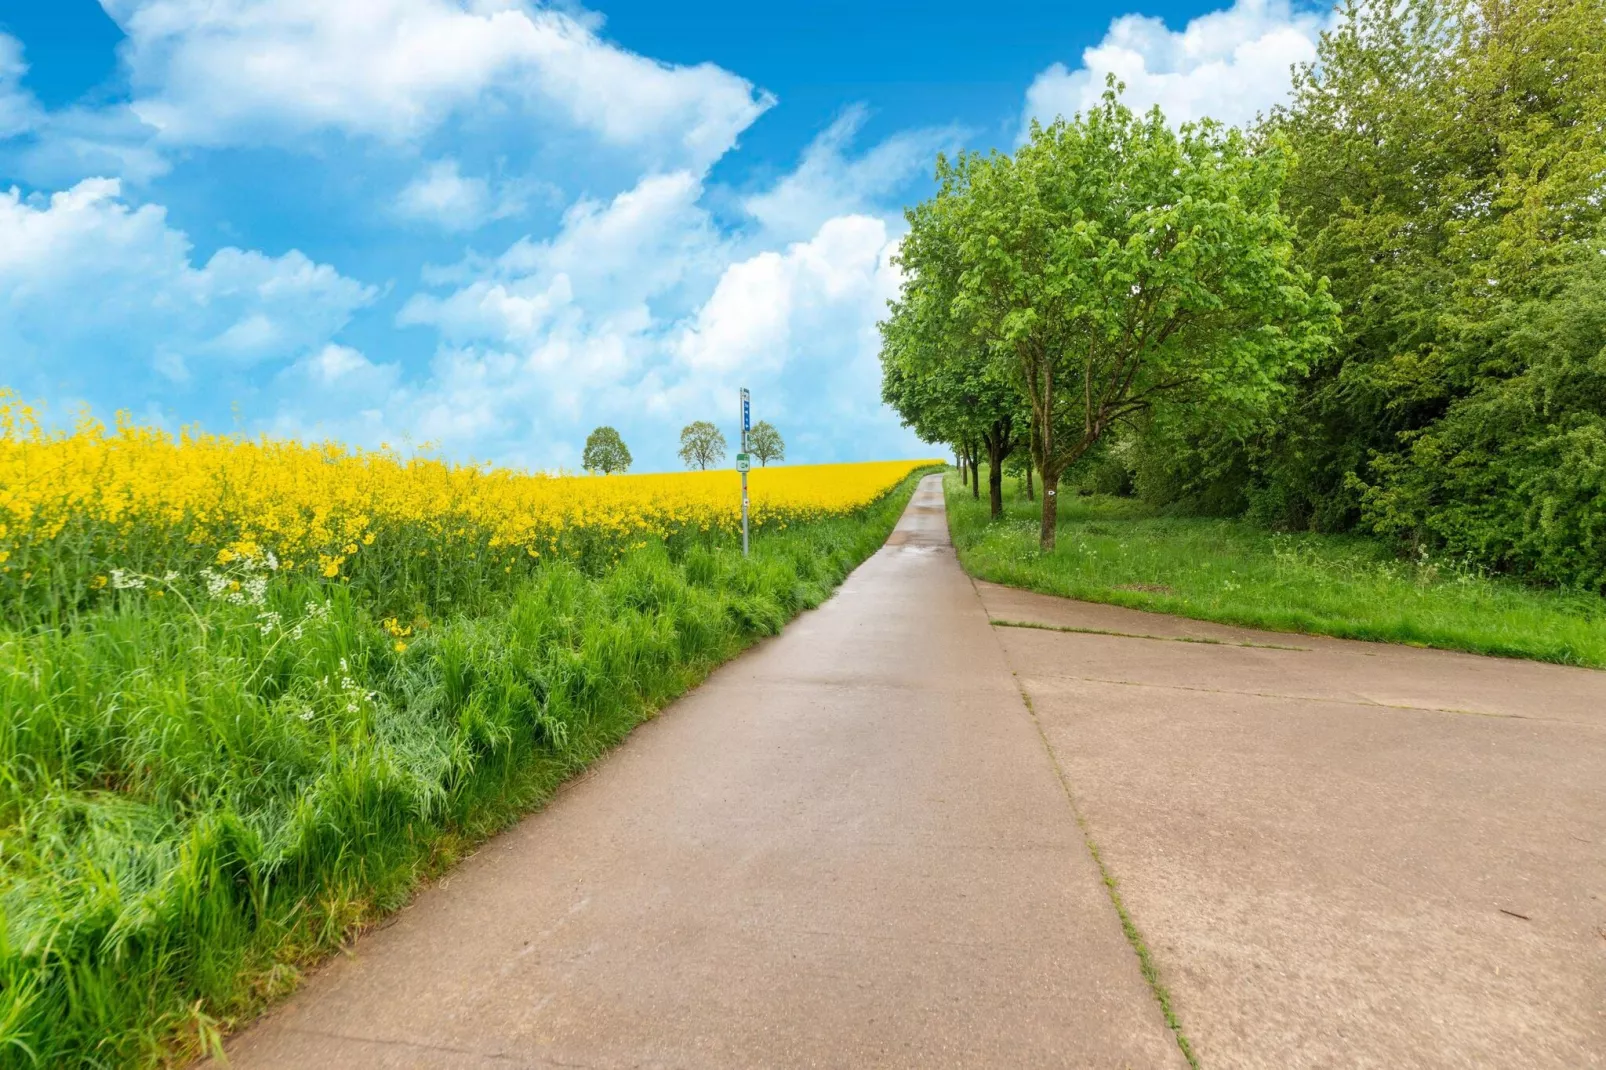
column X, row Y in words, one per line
column 742, row 463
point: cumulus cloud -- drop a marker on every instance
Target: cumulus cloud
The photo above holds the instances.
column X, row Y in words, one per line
column 211, row 72
column 638, row 307
column 56, row 148
column 18, row 109
column 445, row 197
column 606, row 262
column 554, row 329
column 830, row 182
column 94, row 284
column 640, row 313
column 800, row 326
column 763, row 306
column 1227, row 65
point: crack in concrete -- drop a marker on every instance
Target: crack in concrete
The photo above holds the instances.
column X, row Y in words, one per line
column 998, row 623
column 1146, row 964
column 1357, row 700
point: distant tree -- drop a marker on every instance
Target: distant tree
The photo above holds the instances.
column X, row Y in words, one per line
column 606, row 452
column 701, row 445
column 765, row 443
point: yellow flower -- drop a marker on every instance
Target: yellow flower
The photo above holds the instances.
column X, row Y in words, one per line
column 400, row 646
column 310, row 508
column 94, row 585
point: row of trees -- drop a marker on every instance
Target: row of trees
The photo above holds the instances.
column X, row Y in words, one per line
column 1116, row 296
column 701, row 445
column 1111, row 273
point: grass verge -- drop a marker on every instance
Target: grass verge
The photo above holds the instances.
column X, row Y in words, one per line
column 1117, row 551
column 202, row 796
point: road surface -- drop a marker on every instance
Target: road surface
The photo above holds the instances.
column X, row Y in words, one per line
column 859, row 845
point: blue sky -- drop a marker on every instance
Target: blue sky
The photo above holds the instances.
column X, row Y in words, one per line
column 490, row 225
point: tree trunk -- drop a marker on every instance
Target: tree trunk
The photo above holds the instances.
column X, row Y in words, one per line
column 1029, row 478
column 995, row 484
column 975, row 474
column 1045, row 533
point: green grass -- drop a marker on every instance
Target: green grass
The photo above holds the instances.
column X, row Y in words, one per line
column 202, row 793
column 1118, row 551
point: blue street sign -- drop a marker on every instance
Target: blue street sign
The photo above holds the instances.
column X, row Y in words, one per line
column 747, row 411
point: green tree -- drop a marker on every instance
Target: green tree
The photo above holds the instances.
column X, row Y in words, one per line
column 701, row 445
column 936, row 369
column 765, row 443
column 605, row 452
column 1449, row 154
column 1114, row 267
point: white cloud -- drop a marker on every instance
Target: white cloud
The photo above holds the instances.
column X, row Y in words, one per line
column 799, row 326
column 765, row 306
column 639, row 313
column 827, row 183
column 215, row 72
column 443, row 196
column 89, row 282
column 1227, row 65
column 18, row 109
column 602, row 267
column 52, row 149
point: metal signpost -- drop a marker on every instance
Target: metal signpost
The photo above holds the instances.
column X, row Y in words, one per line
column 742, row 462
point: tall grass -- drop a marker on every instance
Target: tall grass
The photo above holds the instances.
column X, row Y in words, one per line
column 209, row 781
column 1115, row 550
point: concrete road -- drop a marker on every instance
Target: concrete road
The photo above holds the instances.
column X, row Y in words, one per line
column 849, row 847
column 1345, row 854
column 856, row 846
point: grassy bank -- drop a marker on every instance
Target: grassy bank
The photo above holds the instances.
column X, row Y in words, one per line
column 210, row 782
column 1115, row 550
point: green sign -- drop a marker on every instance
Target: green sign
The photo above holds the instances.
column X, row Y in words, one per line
column 743, row 462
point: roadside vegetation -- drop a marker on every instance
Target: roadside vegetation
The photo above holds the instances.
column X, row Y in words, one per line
column 1343, row 371
column 1122, row 551
column 251, row 693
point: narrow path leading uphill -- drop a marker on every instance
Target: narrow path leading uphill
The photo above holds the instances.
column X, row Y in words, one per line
column 849, row 847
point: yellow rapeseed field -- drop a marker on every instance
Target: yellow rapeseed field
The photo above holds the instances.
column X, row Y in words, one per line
column 109, row 498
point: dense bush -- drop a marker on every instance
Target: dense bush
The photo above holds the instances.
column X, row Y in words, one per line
column 1449, row 161
column 1514, row 473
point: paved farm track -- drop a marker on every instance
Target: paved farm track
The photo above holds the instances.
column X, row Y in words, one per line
column 857, row 845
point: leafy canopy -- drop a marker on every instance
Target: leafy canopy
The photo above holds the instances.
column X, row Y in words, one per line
column 765, row 443
column 605, row 452
column 701, row 445
column 1451, row 157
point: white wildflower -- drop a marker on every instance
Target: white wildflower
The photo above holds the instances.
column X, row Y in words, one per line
column 217, row 584
column 126, row 581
